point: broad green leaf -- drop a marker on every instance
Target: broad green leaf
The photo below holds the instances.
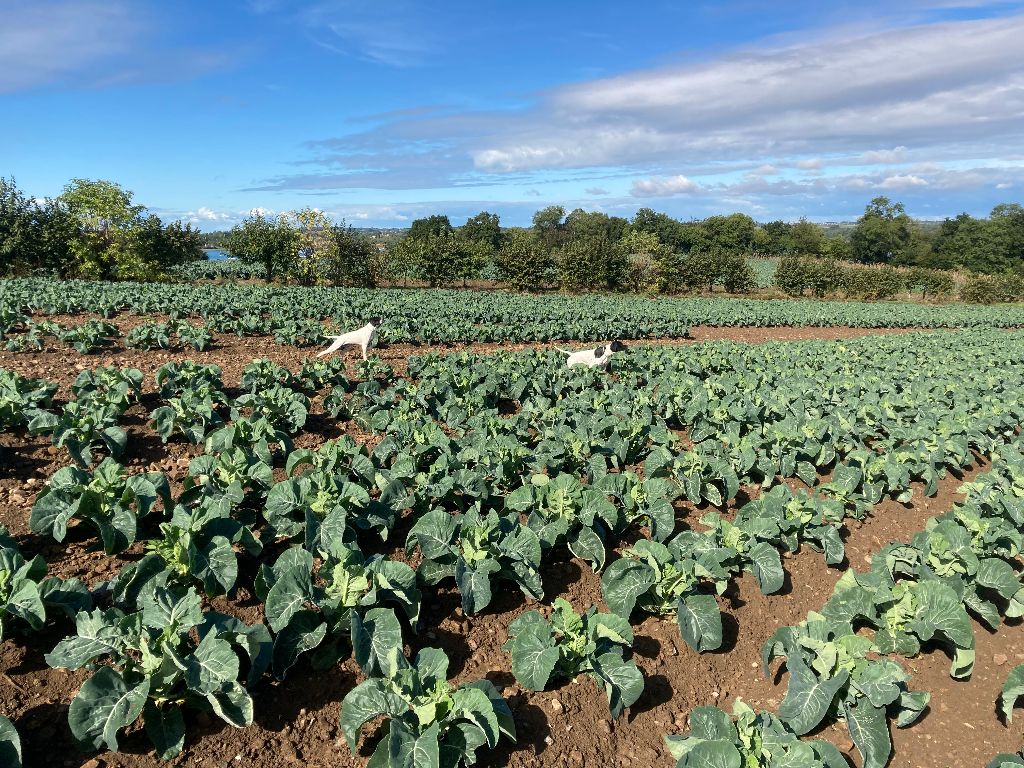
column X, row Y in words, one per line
column 97, row 635
column 212, row 664
column 407, row 750
column 1012, row 690
column 623, row 582
column 216, row 566
column 475, row 584
column 534, row 656
column 10, row 744
column 808, row 697
column 377, row 641
column 713, row 754
column 165, row 727
column 289, row 595
column 869, row 729
column 434, row 533
column 366, row 701
column 232, row 704
column 304, row 632
column 767, row 565
column 103, row 706
column 623, row 681
column 710, row 724
column 700, row 622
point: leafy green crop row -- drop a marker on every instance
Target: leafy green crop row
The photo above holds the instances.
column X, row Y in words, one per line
column 295, row 314
column 916, row 593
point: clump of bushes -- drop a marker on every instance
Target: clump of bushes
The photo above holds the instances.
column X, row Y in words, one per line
column 993, row 289
column 703, row 270
column 802, row 275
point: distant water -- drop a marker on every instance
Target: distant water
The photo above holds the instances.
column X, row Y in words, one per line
column 214, row 254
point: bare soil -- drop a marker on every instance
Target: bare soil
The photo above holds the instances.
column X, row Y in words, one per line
column 297, row 720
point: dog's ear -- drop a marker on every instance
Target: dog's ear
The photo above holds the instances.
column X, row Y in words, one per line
column 599, row 352
column 618, row 346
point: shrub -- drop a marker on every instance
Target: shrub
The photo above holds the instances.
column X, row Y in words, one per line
column 521, row 262
column 930, row 282
column 991, row 289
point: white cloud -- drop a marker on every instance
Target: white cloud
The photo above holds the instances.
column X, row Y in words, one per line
column 208, row 214
column 825, row 121
column 902, row 181
column 659, row 186
column 596, row 191
column 951, row 81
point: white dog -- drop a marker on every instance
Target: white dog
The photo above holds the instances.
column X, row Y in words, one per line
column 593, row 358
column 362, row 338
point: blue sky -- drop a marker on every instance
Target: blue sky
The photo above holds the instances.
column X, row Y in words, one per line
column 382, row 112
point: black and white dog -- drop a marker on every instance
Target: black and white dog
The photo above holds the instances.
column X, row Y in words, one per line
column 592, row 358
column 363, row 338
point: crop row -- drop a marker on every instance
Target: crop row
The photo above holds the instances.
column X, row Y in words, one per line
column 915, row 595
column 440, row 316
column 499, row 464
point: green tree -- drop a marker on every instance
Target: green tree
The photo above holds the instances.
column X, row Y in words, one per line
column 1008, row 220
column 669, row 231
column 105, row 213
column 977, row 245
column 480, row 237
column 730, row 234
column 549, row 226
column 269, row 242
column 55, row 232
column 483, row 228
column 775, row 239
column 591, row 261
column 438, row 257
column 315, row 243
column 883, row 234
column 582, row 223
column 643, row 251
column 17, row 235
column 807, row 238
column 837, row 248
column 523, row 262
column 350, row 261
column 148, row 249
column 431, row 225
column 474, row 256
column 401, row 261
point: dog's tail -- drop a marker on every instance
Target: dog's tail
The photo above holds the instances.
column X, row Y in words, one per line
column 564, row 351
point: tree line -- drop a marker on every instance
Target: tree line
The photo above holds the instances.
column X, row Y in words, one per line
column 92, row 230
column 95, row 230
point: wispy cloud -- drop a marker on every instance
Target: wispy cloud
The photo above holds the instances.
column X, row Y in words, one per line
column 392, row 34
column 84, row 43
column 44, row 42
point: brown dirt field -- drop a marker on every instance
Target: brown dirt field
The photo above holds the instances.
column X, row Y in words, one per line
column 297, row 720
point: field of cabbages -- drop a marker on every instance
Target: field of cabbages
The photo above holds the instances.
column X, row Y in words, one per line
column 770, row 534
